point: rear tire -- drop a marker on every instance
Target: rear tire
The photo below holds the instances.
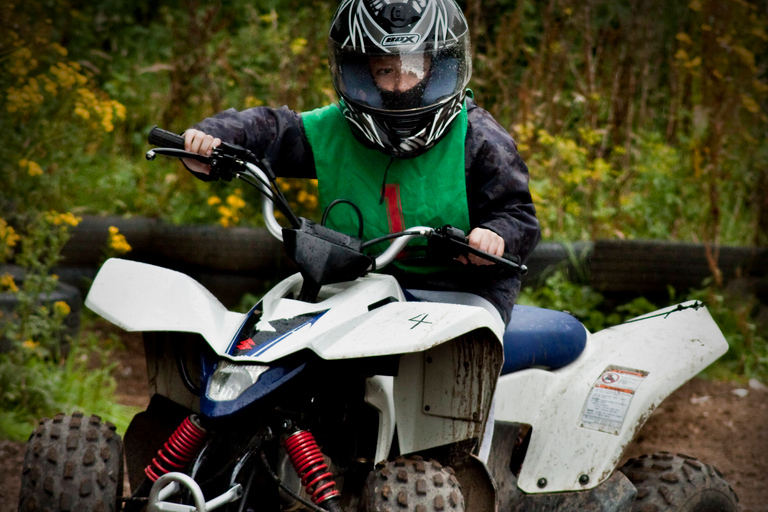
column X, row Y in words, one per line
column 678, row 483
column 72, row 463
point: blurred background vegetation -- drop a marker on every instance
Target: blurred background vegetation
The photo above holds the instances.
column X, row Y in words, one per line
column 637, row 118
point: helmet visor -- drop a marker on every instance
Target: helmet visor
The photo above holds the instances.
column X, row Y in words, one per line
column 400, row 80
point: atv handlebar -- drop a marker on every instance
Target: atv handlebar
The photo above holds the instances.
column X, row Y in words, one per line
column 165, row 139
column 228, row 161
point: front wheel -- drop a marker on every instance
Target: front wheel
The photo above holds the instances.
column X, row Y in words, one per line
column 412, row 484
column 678, row 483
column 72, row 463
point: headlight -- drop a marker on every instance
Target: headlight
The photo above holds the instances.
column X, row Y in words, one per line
column 230, row 380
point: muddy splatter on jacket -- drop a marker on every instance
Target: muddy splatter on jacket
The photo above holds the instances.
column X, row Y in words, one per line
column 496, row 180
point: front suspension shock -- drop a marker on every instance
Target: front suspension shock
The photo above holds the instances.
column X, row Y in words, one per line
column 183, row 446
column 307, row 459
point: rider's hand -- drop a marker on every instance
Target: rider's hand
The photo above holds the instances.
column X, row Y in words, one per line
column 485, row 240
column 201, row 143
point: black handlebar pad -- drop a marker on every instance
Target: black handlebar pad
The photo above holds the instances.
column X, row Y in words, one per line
column 165, row 139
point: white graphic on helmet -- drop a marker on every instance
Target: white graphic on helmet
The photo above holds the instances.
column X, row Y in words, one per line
column 364, row 123
column 370, row 129
column 362, row 24
column 400, row 40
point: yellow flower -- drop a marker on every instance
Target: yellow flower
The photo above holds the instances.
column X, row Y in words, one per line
column 213, row 200
column 747, row 57
column 30, row 345
column 297, row 45
column 71, row 219
column 750, row 104
column 269, row 18
column 253, row 101
column 80, row 111
column 57, row 219
column 684, row 38
column 59, row 49
column 61, row 308
column 8, row 240
column 7, row 283
column 236, row 202
column 117, row 241
column 119, row 109
column 50, row 85
column 694, row 63
column 34, row 169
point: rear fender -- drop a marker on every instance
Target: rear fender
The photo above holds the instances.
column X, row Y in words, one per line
column 585, row 414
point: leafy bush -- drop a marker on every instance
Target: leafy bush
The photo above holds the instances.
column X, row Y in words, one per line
column 636, row 120
column 735, row 312
column 45, row 371
column 563, row 293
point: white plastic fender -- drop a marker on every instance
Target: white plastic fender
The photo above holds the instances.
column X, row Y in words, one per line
column 583, row 417
column 379, row 394
column 141, row 297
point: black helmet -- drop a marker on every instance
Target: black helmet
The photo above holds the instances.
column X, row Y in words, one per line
column 401, row 68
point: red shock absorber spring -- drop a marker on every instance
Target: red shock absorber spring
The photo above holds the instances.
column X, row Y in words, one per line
column 183, row 446
column 308, row 461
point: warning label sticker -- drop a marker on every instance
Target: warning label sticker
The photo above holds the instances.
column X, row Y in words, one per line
column 608, row 401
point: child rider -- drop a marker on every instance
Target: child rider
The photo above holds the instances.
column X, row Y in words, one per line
column 406, row 143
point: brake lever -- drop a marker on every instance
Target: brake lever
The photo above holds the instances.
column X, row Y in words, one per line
column 455, row 242
column 224, row 159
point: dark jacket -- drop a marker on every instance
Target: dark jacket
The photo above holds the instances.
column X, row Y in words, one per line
column 496, row 181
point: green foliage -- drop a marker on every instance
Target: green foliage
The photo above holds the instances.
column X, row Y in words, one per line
column 598, row 93
column 45, row 371
column 33, row 387
column 49, row 105
column 735, row 312
column 636, row 119
column 33, row 323
column 562, row 293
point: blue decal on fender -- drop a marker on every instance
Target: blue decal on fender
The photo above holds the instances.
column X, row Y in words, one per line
column 252, row 342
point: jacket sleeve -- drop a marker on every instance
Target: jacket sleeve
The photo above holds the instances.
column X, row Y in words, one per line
column 497, row 185
column 274, row 134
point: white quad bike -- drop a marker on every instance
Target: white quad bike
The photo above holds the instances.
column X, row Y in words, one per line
column 336, row 393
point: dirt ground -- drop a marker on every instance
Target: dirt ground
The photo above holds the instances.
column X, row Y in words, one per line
column 722, row 424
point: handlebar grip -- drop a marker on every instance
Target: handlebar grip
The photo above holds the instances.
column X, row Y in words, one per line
column 165, row 139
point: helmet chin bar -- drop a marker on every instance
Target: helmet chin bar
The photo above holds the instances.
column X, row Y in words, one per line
column 401, row 134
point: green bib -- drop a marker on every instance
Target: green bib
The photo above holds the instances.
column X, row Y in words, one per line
column 429, row 190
